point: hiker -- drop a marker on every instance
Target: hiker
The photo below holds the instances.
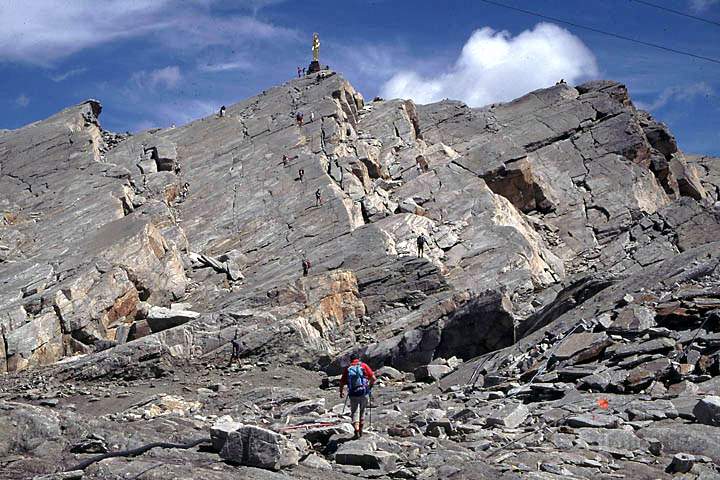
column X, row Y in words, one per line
column 222, row 111
column 299, row 72
column 184, row 190
column 359, row 378
column 421, row 242
column 299, row 119
column 235, row 348
column 312, row 117
column 306, row 266
column 318, row 198
column 285, row 160
column 303, row 71
column 421, row 163
column 301, row 174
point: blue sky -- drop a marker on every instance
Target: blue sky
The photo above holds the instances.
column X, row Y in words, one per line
column 157, row 62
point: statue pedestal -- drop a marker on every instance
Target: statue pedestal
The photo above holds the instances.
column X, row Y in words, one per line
column 314, row 67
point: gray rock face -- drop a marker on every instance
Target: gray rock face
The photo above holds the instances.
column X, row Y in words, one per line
column 496, row 193
column 707, row 170
column 73, row 275
column 571, row 275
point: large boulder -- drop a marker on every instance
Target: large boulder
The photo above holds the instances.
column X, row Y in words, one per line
column 634, row 319
column 510, row 416
column 707, row 411
column 258, row 447
column 366, row 458
column 431, row 373
column 38, row 342
column 695, row 439
column 161, row 318
column 220, row 431
column 582, row 346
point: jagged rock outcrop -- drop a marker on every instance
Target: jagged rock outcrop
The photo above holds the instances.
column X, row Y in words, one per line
column 218, row 188
column 571, row 246
column 74, row 265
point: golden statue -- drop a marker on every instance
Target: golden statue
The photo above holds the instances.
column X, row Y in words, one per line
column 316, row 47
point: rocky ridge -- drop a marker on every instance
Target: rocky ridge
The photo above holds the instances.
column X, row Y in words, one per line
column 572, row 248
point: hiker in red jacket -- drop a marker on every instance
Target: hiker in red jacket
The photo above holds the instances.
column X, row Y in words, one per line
column 359, row 378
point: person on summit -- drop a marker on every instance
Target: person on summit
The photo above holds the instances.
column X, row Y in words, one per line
column 421, row 242
column 359, row 379
column 222, row 111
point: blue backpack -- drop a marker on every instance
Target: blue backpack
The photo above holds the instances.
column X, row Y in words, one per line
column 357, row 383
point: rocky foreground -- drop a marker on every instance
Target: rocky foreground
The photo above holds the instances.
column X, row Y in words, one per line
column 564, row 321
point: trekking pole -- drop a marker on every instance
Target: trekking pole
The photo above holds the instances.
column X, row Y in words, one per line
column 371, row 408
column 344, row 405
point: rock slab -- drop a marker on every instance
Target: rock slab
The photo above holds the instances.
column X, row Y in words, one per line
column 258, row 447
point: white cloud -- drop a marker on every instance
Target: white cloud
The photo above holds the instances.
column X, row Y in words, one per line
column 42, row 31
column 678, row 94
column 168, row 77
column 494, row 66
column 702, row 5
column 70, row 73
column 22, row 101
